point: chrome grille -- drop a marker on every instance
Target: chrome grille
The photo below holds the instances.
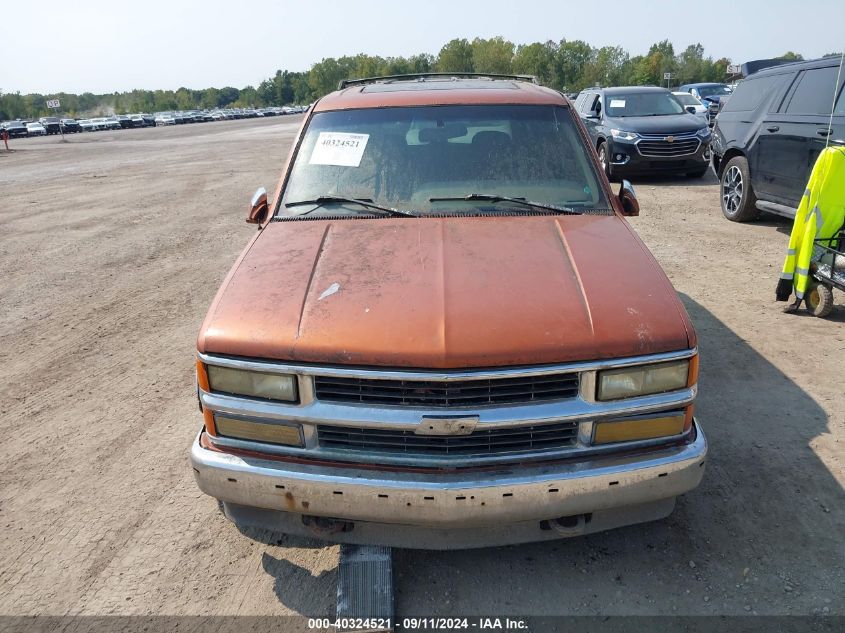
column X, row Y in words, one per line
column 485, row 442
column 452, row 393
column 660, row 147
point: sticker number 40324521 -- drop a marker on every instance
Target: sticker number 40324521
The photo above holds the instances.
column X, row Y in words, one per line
column 339, row 148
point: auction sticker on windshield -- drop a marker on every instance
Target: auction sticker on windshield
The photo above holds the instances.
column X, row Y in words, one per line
column 339, row 148
column 617, row 103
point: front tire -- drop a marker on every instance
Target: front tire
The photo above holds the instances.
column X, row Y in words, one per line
column 735, row 193
column 604, row 160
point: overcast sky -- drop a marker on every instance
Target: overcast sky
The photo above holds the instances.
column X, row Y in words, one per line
column 56, row 45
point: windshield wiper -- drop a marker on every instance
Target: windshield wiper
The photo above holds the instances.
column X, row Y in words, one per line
column 492, row 197
column 369, row 204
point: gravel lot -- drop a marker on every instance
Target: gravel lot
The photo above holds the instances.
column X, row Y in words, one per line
column 113, row 244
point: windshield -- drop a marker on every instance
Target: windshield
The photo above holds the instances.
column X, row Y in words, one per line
column 643, row 104
column 403, row 157
column 687, row 99
column 711, row 91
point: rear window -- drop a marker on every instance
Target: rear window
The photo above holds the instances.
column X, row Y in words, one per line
column 750, row 93
column 404, row 156
column 687, row 99
column 814, row 92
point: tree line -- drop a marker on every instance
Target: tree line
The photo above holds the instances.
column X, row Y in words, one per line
column 568, row 65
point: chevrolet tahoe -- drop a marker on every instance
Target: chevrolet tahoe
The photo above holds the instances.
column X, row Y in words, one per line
column 445, row 333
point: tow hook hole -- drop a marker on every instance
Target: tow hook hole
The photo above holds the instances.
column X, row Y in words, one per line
column 553, row 490
column 280, row 487
column 508, row 494
column 337, row 492
column 382, row 496
column 613, row 483
column 234, row 481
column 408, row 504
column 662, row 474
column 472, row 496
column 483, row 503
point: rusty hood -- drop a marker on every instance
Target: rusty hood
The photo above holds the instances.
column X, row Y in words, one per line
column 446, row 293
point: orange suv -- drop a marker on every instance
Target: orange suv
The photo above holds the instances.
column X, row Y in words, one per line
column 445, row 334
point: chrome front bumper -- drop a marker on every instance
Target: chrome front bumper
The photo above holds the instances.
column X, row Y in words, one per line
column 487, row 499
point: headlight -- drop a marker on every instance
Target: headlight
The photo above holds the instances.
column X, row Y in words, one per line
column 257, row 384
column 643, row 380
column 622, row 135
column 704, row 132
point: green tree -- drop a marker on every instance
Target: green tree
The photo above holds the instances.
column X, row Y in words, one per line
column 494, row 55
column 455, row 57
column 536, row 59
column 791, row 56
column 571, row 62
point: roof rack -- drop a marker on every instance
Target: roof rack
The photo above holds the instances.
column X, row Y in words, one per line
column 345, row 83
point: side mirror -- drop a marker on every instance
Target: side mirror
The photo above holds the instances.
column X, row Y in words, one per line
column 258, row 207
column 628, row 200
column 691, row 109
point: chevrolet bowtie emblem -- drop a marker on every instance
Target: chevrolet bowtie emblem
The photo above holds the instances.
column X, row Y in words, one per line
column 669, row 139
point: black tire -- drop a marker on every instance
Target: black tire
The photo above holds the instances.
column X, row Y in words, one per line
column 819, row 300
column 735, row 193
column 604, row 160
column 697, row 174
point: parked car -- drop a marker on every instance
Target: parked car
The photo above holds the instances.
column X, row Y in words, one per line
column 165, row 119
column 16, row 129
column 768, row 135
column 69, row 126
column 644, row 130
column 711, row 94
column 86, row 125
column 425, row 344
column 51, row 124
column 691, row 101
column 123, row 121
column 35, row 129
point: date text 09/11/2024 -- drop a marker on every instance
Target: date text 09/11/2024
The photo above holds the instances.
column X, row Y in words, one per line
column 425, row 624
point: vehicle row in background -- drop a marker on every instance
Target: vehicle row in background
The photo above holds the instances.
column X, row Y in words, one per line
column 770, row 132
column 54, row 125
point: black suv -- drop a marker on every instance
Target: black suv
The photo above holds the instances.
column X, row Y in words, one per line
column 770, row 132
column 51, row 124
column 644, row 130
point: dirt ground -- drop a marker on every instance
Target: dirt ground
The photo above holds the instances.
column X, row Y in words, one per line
column 113, row 244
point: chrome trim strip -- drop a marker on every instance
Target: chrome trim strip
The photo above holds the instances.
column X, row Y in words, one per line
column 433, row 461
column 695, row 151
column 438, row 375
column 402, row 417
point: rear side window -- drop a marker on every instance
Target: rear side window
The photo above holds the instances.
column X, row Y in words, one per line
column 814, row 92
column 750, row 93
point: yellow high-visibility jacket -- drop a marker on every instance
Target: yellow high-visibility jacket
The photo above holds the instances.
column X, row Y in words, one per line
column 820, row 215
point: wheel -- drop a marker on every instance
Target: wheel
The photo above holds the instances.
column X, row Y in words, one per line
column 819, row 300
column 735, row 192
column 604, row 161
column 697, row 174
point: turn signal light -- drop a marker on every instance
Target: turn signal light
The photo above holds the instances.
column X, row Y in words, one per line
column 638, row 429
column 269, row 432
